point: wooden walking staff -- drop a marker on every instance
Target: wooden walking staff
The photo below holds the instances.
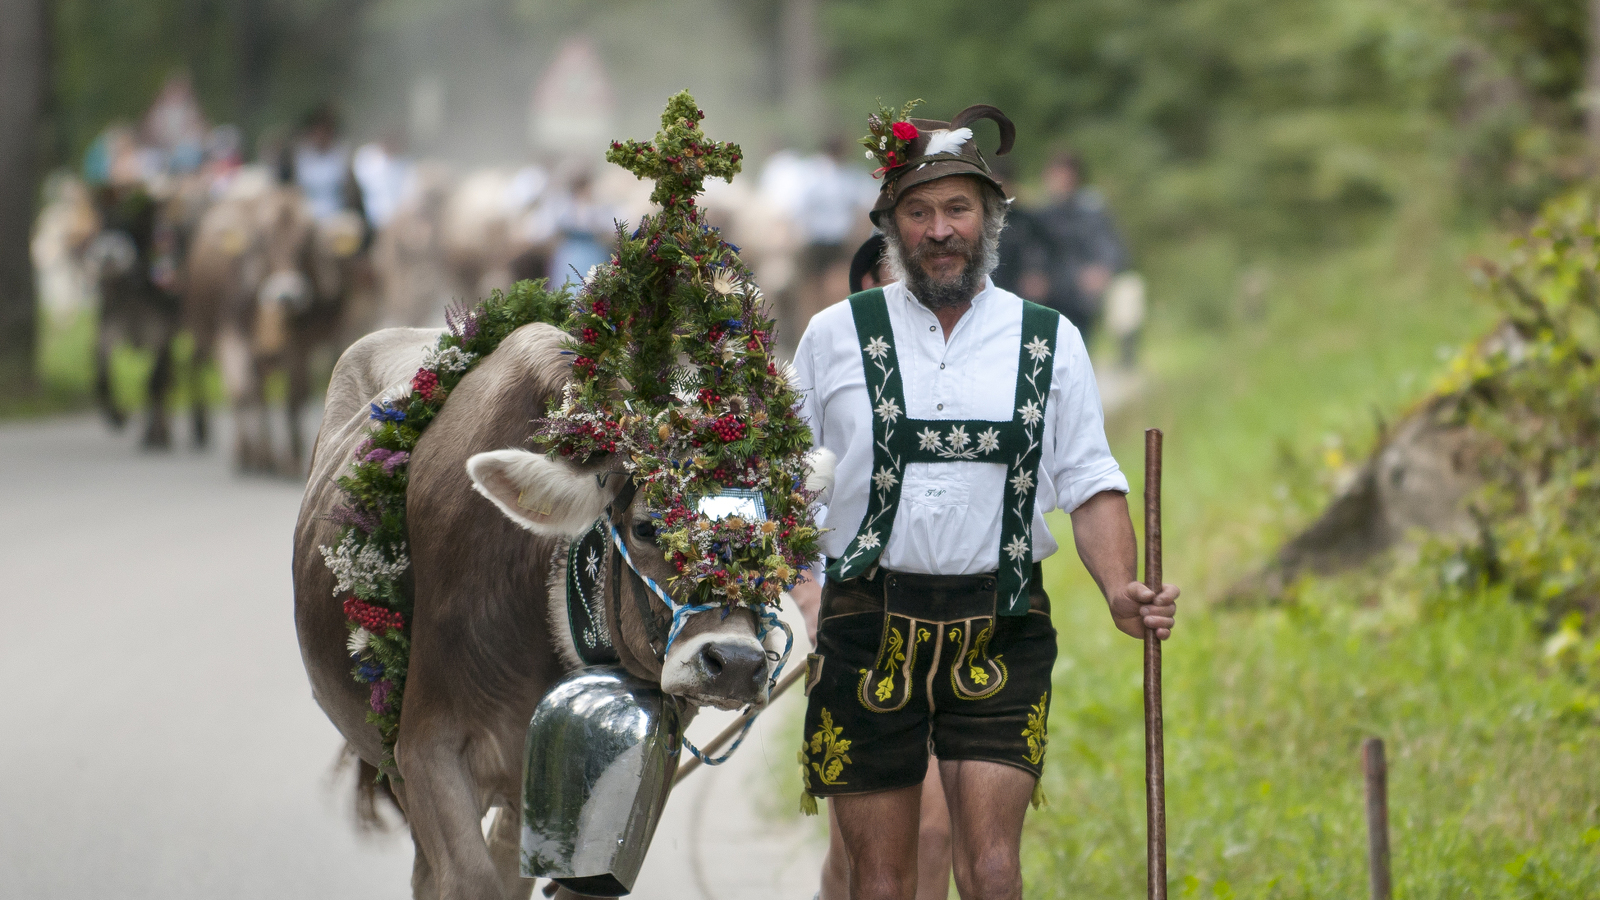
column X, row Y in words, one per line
column 1155, row 774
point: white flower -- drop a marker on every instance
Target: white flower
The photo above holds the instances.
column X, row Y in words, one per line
column 867, row 540
column 358, row 641
column 958, row 438
column 988, row 441
column 594, row 271
column 450, row 359
column 1031, row 413
column 928, row 439
column 869, row 154
column 1018, row 547
column 883, row 142
column 877, row 348
column 884, row 478
column 1037, row 348
column 1022, row 482
column 727, row 281
column 591, row 566
column 889, row 409
column 365, row 569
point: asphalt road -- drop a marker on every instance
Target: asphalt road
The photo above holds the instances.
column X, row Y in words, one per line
column 157, row 735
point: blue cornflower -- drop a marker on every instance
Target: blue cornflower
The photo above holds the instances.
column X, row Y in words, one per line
column 387, row 413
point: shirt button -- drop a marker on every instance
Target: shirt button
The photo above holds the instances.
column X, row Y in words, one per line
column 941, row 406
column 932, row 327
column 941, row 365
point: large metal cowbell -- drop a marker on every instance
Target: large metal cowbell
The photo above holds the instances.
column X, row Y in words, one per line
column 601, row 751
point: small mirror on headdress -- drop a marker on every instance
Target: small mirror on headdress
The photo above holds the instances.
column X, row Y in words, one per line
column 744, row 503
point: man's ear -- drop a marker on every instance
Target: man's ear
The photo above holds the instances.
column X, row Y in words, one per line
column 541, row 494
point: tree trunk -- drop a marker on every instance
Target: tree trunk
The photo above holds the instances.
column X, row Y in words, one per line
column 24, row 90
column 1591, row 82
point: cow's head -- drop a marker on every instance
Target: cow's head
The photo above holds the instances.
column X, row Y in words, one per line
column 286, row 229
column 717, row 659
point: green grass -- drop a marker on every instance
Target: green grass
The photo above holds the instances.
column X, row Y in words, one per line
column 1492, row 752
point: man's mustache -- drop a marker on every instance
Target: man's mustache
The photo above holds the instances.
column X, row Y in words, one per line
column 952, row 244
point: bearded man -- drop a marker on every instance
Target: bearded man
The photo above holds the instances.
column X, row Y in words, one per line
column 959, row 414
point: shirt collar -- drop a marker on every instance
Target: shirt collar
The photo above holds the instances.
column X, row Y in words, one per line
column 904, row 293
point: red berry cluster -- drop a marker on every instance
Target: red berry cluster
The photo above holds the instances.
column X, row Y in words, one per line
column 728, row 429
column 710, row 397
column 584, row 365
column 601, row 308
column 375, row 619
column 590, row 335
column 716, row 333
column 426, row 383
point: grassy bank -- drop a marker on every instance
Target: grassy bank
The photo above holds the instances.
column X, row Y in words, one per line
column 1492, row 750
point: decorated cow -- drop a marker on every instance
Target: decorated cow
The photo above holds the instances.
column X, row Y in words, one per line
column 464, row 478
column 265, row 284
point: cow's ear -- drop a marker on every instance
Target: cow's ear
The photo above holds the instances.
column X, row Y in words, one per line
column 541, row 494
column 820, row 464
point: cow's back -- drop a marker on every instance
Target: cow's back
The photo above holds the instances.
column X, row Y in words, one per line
column 377, row 366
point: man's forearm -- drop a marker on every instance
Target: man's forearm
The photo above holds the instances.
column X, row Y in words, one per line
column 1103, row 533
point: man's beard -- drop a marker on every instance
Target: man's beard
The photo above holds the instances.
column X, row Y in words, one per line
column 942, row 294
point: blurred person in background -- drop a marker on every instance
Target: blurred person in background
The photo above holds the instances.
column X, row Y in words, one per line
column 583, row 226
column 1067, row 250
column 318, row 163
column 383, row 174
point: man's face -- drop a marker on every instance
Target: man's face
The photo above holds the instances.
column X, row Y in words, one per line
column 1060, row 180
column 941, row 227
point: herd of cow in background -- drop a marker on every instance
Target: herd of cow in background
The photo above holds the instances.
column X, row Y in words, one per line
column 275, row 266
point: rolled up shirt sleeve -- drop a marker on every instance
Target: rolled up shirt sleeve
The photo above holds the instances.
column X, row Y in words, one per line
column 1077, row 461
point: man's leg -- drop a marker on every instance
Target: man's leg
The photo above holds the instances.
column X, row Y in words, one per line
column 836, row 865
column 880, row 839
column 933, row 839
column 987, row 803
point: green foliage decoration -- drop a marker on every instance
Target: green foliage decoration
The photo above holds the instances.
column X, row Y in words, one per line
column 674, row 374
column 369, row 560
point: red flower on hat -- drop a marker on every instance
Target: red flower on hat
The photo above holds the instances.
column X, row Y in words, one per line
column 905, row 131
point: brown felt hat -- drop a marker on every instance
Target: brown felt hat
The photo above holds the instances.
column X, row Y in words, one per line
column 953, row 154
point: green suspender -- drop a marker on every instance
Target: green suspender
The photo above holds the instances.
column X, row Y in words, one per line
column 898, row 440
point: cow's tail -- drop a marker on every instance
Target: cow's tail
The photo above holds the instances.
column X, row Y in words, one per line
column 373, row 792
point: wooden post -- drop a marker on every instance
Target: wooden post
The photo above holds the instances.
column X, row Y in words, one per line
column 1155, row 777
column 1377, row 773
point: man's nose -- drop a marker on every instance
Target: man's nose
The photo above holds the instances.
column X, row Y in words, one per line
column 941, row 227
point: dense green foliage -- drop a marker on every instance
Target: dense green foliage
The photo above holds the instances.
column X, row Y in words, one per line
column 1284, row 124
column 1490, row 716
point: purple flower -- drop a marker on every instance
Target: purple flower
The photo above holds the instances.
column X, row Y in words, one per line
column 395, row 461
column 462, row 321
column 361, row 517
column 377, row 455
column 380, row 695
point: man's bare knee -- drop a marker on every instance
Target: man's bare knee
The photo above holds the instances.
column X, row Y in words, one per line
column 995, row 874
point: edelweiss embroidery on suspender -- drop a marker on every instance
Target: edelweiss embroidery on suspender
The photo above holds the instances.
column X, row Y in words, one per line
column 898, row 440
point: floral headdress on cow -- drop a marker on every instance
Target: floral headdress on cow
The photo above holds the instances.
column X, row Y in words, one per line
column 674, row 373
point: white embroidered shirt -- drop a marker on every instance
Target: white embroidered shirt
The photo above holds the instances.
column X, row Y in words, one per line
column 950, row 512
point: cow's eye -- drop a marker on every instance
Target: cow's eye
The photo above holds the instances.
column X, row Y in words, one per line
column 645, row 531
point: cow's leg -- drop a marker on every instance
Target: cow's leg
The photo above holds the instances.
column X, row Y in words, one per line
column 299, row 390
column 156, row 434
column 104, row 340
column 199, row 424
column 505, row 848
column 424, row 886
column 446, row 815
column 241, row 377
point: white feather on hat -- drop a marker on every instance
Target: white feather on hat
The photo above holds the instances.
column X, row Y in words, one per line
column 947, row 141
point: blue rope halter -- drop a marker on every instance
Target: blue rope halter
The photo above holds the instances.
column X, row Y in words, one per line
column 680, row 614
